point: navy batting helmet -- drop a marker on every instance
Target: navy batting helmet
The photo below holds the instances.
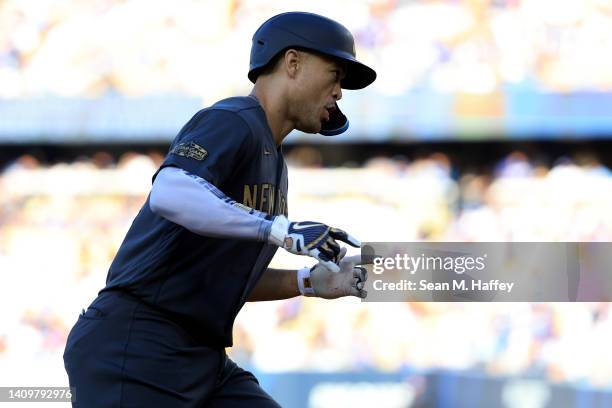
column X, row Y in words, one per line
column 316, row 33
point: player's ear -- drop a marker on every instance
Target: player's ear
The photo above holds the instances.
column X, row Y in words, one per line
column 293, row 62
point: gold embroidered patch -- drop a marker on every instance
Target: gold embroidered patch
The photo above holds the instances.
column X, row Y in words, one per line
column 190, row 150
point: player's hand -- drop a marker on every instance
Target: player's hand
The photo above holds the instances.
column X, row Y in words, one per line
column 319, row 281
column 310, row 238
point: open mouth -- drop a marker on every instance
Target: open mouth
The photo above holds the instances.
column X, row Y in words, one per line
column 329, row 109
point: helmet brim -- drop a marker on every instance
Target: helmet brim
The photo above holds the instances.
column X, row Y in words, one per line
column 358, row 75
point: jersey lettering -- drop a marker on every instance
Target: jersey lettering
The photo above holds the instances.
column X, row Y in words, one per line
column 262, row 197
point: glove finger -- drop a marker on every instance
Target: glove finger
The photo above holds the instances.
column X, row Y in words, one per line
column 360, row 273
column 319, row 255
column 353, row 241
column 343, row 236
column 354, row 291
column 327, row 254
column 357, row 290
column 363, row 259
column 324, row 260
column 357, row 284
column 330, row 265
column 341, row 254
column 331, row 247
column 355, row 259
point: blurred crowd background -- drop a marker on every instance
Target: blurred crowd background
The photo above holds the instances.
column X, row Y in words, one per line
column 65, row 207
column 136, row 47
column 62, row 224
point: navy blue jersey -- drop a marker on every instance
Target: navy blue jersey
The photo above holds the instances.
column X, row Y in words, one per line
column 202, row 282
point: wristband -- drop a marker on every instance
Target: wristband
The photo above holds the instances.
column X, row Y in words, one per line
column 304, row 282
column 278, row 231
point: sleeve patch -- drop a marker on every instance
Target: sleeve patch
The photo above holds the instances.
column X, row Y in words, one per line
column 191, row 150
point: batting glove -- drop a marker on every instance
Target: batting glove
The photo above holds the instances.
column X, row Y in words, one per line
column 310, row 238
column 319, row 281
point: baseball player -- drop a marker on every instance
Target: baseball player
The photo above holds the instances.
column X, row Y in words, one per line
column 217, row 212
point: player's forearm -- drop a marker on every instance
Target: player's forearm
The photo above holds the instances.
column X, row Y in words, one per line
column 197, row 205
column 275, row 284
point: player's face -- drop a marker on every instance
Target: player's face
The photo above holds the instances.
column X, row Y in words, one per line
column 318, row 88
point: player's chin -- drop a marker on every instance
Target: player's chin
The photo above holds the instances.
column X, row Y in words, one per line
column 314, row 126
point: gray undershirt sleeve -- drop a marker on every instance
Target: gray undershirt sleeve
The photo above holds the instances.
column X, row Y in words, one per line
column 197, row 205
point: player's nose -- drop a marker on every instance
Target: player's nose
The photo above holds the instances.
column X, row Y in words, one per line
column 337, row 93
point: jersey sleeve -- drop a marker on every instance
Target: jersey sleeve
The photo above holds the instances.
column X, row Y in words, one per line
column 211, row 145
column 197, row 205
